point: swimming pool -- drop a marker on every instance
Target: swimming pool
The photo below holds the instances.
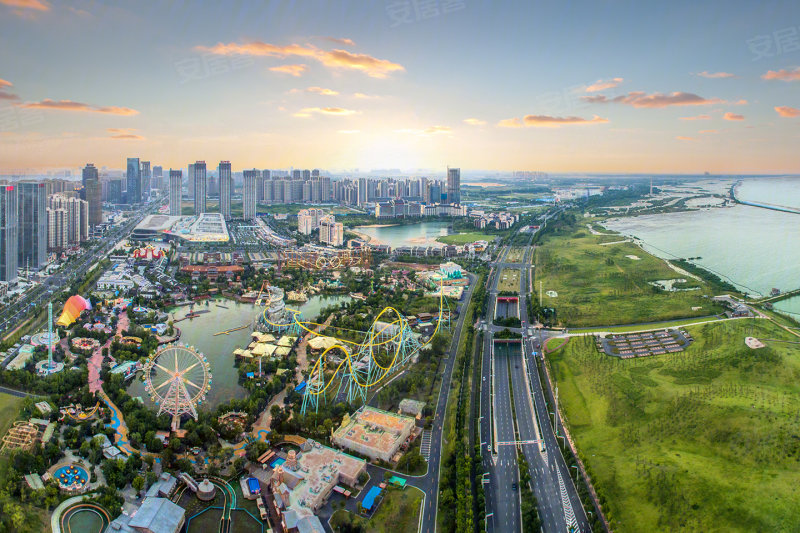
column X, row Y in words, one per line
column 71, row 477
column 277, row 462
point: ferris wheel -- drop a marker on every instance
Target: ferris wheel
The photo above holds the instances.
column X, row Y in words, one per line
column 177, row 378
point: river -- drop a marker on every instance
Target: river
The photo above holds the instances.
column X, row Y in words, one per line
column 755, row 248
column 419, row 234
column 199, row 332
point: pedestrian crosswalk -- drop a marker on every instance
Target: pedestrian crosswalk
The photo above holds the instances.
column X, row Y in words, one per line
column 425, row 445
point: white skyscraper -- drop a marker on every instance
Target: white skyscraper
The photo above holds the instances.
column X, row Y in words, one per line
column 250, row 180
column 225, row 189
column 175, row 183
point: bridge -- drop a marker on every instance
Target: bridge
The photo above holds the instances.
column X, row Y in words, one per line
column 774, row 207
column 778, row 297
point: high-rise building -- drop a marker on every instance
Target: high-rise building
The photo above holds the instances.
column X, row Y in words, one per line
column 453, row 186
column 190, row 180
column 308, row 220
column 115, row 195
column 57, row 229
column 362, row 191
column 92, row 190
column 297, row 174
column 225, row 189
column 9, row 233
column 146, row 177
column 134, row 179
column 32, row 225
column 315, row 173
column 330, row 231
column 306, row 174
column 158, row 178
column 249, row 185
column 175, row 183
column 77, row 217
column 200, row 192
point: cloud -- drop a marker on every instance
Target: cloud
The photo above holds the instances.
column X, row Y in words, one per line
column 555, row 122
column 708, row 131
column 474, row 121
column 740, row 102
column 5, row 95
column 430, row 130
column 698, row 117
column 125, row 134
column 783, row 75
column 335, row 111
column 322, row 91
column 787, row 112
column 715, row 75
column 732, row 116
column 682, row 138
column 343, row 42
column 602, row 85
column 69, row 105
column 336, row 58
column 34, row 5
column 292, row 70
column 641, row 99
column 510, row 123
column 365, row 96
column 349, row 132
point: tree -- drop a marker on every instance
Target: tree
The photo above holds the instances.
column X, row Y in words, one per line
column 138, row 484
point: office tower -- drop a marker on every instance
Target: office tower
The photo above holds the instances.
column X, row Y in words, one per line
column 435, row 194
column 57, row 229
column 453, row 186
column 146, row 176
column 200, row 191
column 330, row 231
column 32, row 225
column 315, row 173
column 134, row 179
column 225, row 189
column 9, row 233
column 175, row 183
column 190, row 182
column 92, row 194
column 115, row 192
column 158, row 178
column 249, row 185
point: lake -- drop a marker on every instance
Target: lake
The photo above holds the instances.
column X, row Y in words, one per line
column 419, row 234
column 199, row 332
column 754, row 248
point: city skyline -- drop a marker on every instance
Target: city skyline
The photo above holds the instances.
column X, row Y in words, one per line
column 704, row 89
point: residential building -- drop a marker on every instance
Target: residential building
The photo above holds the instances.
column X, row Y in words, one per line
column 175, row 182
column 199, row 184
column 9, row 233
column 77, row 221
column 32, row 225
column 57, row 229
column 330, row 231
column 249, row 198
column 190, row 180
column 308, row 220
column 133, row 176
column 225, row 189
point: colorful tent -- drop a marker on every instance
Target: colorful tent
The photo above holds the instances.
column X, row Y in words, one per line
column 72, row 310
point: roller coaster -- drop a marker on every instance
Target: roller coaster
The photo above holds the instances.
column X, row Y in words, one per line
column 317, row 258
column 387, row 346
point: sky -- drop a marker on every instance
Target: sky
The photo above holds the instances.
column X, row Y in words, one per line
column 563, row 86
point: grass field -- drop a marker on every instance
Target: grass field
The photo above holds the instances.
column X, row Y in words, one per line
column 509, row 280
column 704, row 440
column 655, row 325
column 465, row 238
column 515, row 255
column 600, row 286
column 9, row 409
column 399, row 511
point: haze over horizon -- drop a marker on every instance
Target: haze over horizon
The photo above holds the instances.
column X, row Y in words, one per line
column 710, row 87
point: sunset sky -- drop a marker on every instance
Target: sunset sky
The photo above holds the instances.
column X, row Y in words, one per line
column 600, row 86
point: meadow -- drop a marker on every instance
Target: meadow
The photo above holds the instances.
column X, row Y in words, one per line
column 604, row 285
column 509, row 280
column 9, row 409
column 704, row 440
column 465, row 238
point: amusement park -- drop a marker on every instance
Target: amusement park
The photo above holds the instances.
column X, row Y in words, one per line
column 181, row 411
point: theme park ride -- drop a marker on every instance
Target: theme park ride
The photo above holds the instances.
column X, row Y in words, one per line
column 317, row 258
column 387, row 346
column 177, row 378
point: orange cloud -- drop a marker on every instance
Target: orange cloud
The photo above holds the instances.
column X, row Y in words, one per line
column 69, row 105
column 343, row 42
column 708, row 131
column 682, row 138
column 124, row 134
column 336, row 58
column 510, row 123
column 732, row 116
column 656, row 100
column 602, row 85
column 336, row 111
column 292, row 70
column 322, row 91
column 698, row 117
column 365, row 96
column 555, row 122
column 715, row 75
column 787, row 112
column 474, row 121
column 5, row 95
column 783, row 75
column 35, row 5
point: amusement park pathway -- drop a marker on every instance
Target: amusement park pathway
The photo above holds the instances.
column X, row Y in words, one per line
column 96, row 360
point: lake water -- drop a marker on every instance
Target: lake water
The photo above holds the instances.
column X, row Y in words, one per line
column 199, row 332
column 756, row 249
column 419, row 234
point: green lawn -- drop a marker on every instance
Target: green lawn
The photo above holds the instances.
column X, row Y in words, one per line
column 399, row 511
column 641, row 327
column 515, row 255
column 9, row 409
column 704, row 440
column 465, row 238
column 601, row 286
